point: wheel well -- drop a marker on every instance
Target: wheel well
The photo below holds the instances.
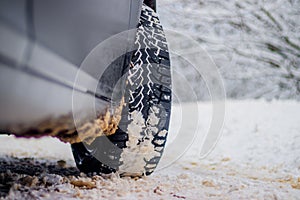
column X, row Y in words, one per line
column 151, row 4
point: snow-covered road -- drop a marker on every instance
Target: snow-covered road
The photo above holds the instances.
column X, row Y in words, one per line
column 257, row 157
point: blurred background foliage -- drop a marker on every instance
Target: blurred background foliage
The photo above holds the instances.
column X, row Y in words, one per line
column 254, row 43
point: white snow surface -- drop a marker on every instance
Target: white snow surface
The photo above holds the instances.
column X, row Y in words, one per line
column 257, row 157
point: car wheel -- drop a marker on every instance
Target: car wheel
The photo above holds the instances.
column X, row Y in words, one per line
column 142, row 132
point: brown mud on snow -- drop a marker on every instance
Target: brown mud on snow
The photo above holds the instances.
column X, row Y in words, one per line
column 24, row 173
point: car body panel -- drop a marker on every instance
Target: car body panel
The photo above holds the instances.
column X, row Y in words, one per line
column 43, row 43
column 75, row 27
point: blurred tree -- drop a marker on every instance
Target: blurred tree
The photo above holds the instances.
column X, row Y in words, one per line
column 255, row 44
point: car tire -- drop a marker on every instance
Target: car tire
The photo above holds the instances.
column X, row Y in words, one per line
column 142, row 132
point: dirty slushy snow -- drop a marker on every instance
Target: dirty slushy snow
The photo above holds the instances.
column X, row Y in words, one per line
column 257, row 157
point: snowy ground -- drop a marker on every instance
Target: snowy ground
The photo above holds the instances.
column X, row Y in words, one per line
column 257, row 157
